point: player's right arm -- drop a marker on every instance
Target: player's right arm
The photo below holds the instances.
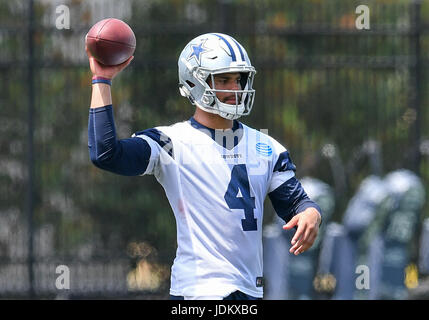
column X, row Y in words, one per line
column 101, row 95
column 127, row 156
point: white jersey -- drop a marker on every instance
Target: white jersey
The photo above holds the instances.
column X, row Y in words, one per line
column 217, row 195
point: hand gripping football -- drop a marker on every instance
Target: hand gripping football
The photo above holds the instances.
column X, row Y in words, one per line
column 111, row 41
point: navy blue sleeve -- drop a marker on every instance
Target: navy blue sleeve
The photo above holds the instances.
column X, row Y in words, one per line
column 129, row 157
column 290, row 199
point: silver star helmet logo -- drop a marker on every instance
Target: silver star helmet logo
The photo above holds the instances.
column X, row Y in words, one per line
column 197, row 51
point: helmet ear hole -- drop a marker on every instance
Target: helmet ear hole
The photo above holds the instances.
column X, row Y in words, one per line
column 210, row 80
column 190, row 83
column 243, row 79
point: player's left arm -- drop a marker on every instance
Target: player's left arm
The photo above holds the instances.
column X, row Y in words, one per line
column 291, row 202
column 293, row 205
column 308, row 223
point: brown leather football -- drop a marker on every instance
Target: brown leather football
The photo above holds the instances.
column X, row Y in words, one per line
column 111, row 41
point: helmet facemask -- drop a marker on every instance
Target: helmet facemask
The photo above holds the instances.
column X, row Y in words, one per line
column 244, row 97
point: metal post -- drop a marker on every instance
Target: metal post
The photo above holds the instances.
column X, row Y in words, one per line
column 30, row 148
column 416, row 102
column 225, row 18
column 416, row 81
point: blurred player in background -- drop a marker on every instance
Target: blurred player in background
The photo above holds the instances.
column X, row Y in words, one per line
column 215, row 170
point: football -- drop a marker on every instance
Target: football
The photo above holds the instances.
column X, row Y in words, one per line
column 111, row 41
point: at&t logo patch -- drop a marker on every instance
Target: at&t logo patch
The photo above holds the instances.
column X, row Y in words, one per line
column 263, row 149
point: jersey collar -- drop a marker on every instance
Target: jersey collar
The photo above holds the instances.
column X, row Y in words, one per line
column 235, row 126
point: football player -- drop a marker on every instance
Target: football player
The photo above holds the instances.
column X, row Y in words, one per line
column 215, row 170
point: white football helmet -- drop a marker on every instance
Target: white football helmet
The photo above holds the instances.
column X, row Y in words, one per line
column 210, row 54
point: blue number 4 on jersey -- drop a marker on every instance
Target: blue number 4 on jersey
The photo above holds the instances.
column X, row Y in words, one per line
column 240, row 182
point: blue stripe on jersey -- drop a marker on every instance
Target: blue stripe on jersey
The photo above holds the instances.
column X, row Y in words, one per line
column 229, row 46
column 284, row 163
column 129, row 157
column 290, row 199
column 159, row 137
